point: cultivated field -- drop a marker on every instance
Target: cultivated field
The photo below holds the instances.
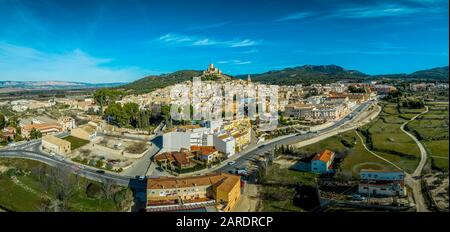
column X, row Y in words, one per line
column 432, row 128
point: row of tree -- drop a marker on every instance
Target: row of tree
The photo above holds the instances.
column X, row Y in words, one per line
column 129, row 115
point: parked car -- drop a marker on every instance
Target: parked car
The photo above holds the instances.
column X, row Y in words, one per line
column 231, row 163
column 357, row 197
column 100, row 171
column 241, row 171
column 141, row 178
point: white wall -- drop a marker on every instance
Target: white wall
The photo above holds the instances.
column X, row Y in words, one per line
column 173, row 141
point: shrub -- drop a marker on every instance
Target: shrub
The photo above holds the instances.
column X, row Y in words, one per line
column 99, row 164
column 109, row 166
column 94, row 190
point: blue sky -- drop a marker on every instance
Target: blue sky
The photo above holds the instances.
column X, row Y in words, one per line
column 121, row 41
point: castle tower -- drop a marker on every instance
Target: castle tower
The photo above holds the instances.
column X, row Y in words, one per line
column 249, row 80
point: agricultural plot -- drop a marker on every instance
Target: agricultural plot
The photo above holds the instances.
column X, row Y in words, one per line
column 386, row 139
column 438, row 152
column 356, row 156
column 432, row 129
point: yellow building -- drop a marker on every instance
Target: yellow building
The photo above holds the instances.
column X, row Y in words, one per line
column 241, row 131
column 242, row 138
column 53, row 144
column 227, row 193
column 223, row 188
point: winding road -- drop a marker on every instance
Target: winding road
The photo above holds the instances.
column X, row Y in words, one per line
column 410, row 179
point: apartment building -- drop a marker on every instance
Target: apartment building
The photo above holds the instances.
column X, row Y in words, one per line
column 222, row 188
column 225, row 143
column 187, row 136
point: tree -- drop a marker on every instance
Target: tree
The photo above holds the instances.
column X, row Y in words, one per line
column 35, row 134
column 116, row 115
column 2, row 121
column 104, row 97
column 63, row 185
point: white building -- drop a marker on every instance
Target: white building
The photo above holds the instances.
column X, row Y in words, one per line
column 225, row 143
column 175, row 140
column 382, row 183
column 315, row 100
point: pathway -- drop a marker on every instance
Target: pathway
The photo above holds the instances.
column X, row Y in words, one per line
column 410, row 180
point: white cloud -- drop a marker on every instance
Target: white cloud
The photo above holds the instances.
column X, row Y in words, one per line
column 242, row 43
column 234, row 62
column 28, row 64
column 174, row 38
column 377, row 10
column 190, row 40
column 204, row 42
column 294, row 16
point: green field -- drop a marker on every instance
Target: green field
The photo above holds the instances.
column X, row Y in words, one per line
column 15, row 197
column 388, row 138
column 384, row 137
column 432, row 129
column 357, row 157
column 278, row 188
column 438, row 152
column 75, row 142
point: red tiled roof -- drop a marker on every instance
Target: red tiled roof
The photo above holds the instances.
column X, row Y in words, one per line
column 324, row 156
column 204, row 150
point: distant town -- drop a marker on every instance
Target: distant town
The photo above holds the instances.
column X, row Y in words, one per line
column 342, row 146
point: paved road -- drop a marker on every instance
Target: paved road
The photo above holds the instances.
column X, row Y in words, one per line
column 241, row 160
column 411, row 180
column 30, row 150
column 85, row 171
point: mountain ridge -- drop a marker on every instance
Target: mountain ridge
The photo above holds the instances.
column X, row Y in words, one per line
column 305, row 74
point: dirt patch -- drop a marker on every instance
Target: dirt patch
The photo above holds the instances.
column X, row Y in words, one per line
column 249, row 200
column 3, row 169
column 438, row 186
column 286, row 161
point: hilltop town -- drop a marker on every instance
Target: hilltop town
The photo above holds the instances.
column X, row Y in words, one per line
column 226, row 163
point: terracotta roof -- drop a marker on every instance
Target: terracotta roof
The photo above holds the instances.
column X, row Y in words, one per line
column 216, row 179
column 204, row 150
column 41, row 127
column 180, row 157
column 226, row 185
column 324, row 156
